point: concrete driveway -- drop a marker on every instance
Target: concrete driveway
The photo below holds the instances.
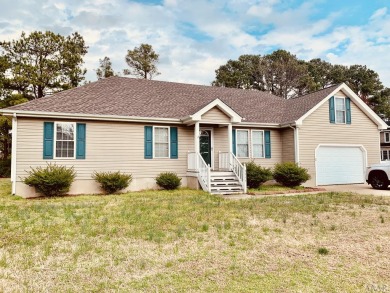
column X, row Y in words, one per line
column 357, row 188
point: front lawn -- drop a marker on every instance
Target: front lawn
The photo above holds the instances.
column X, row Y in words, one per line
column 191, row 241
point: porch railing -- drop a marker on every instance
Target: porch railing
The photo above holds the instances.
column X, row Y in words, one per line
column 197, row 163
column 228, row 161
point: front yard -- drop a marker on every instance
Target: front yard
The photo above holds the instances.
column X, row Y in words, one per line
column 191, row 241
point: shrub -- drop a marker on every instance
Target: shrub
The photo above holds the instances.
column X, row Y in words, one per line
column 168, row 180
column 51, row 180
column 5, row 168
column 112, row 182
column 290, row 174
column 257, row 175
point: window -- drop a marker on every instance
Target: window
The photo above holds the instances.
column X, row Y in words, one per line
column 340, row 110
column 161, row 142
column 257, row 144
column 242, row 143
column 387, row 136
column 65, row 140
column 385, row 155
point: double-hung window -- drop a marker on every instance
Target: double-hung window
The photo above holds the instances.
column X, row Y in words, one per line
column 242, row 143
column 161, row 142
column 340, row 110
column 257, row 143
column 387, row 136
column 65, row 133
column 385, row 155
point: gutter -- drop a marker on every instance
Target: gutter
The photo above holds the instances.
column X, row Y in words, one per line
column 34, row 114
column 13, row 151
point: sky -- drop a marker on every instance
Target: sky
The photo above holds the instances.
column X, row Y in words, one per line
column 193, row 38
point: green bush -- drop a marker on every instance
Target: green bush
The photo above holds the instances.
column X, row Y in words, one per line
column 52, row 180
column 112, row 182
column 168, row 180
column 5, row 168
column 257, row 175
column 290, row 174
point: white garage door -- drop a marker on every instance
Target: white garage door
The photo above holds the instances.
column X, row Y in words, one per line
column 340, row 165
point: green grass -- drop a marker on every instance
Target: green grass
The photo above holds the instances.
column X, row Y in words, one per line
column 189, row 240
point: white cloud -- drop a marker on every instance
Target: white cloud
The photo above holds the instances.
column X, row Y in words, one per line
column 214, row 31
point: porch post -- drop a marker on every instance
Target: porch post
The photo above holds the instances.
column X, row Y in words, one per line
column 230, row 134
column 196, row 137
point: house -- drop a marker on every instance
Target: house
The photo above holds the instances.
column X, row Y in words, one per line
column 385, row 144
column 202, row 133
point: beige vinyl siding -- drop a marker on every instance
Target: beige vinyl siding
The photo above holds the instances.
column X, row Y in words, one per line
column 288, row 149
column 317, row 129
column 110, row 146
column 221, row 143
column 276, row 149
column 215, row 116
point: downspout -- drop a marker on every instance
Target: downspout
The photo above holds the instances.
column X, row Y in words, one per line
column 13, row 152
column 296, row 143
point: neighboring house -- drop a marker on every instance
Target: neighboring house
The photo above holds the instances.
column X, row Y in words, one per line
column 385, row 144
column 202, row 133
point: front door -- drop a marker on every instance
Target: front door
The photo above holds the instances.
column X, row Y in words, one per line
column 205, row 146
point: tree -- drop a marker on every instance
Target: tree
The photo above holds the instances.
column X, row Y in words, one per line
column 43, row 63
column 380, row 103
column 242, row 73
column 363, row 81
column 5, row 123
column 320, row 74
column 105, row 68
column 142, row 62
column 283, row 74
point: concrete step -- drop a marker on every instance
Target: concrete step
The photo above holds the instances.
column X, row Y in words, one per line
column 227, row 192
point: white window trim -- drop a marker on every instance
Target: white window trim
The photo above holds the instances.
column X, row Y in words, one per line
column 249, row 143
column 386, row 132
column 252, row 147
column 388, row 155
column 169, row 142
column 335, row 110
column 55, row 141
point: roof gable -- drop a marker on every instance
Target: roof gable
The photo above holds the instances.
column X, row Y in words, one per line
column 358, row 102
column 234, row 117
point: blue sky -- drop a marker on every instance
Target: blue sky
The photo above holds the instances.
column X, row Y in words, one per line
column 194, row 38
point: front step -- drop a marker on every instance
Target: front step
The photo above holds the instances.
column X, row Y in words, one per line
column 225, row 182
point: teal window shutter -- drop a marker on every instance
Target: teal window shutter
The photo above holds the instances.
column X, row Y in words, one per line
column 80, row 142
column 267, row 138
column 331, row 110
column 148, row 142
column 174, row 143
column 48, row 140
column 348, row 110
column 234, row 141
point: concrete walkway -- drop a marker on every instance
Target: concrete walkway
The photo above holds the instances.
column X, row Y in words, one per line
column 355, row 188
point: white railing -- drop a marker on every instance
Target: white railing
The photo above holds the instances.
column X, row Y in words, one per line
column 228, row 161
column 196, row 163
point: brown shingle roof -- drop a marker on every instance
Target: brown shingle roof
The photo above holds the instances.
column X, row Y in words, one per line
column 121, row 96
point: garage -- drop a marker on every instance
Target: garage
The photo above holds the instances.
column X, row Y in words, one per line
column 340, row 164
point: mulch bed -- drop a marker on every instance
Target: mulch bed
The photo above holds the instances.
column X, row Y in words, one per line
column 306, row 189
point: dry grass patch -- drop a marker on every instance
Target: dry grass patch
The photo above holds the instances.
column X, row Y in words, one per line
column 188, row 240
